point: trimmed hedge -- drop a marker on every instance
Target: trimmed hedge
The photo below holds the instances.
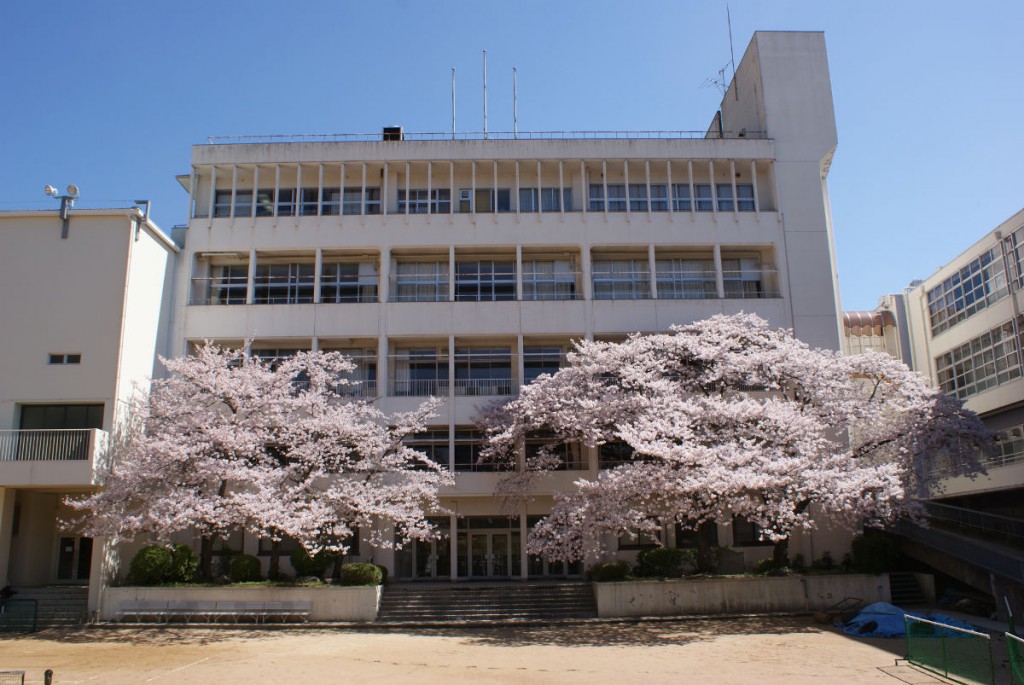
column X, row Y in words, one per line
column 245, row 568
column 158, row 565
column 306, row 566
column 660, row 562
column 361, row 574
column 610, row 572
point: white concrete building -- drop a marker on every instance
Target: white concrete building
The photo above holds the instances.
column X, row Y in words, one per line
column 965, row 328
column 82, row 321
column 464, row 267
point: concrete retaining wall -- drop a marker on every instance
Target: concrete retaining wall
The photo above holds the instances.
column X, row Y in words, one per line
column 735, row 595
column 357, row 604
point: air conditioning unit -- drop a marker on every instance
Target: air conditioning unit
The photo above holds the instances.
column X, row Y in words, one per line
column 393, row 133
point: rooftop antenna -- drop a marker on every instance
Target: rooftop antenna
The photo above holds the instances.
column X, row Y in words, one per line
column 719, row 82
column 732, row 54
column 453, row 103
column 515, row 105
column 485, row 93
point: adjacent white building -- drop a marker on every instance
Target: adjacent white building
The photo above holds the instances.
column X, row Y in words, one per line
column 82, row 323
column 464, row 266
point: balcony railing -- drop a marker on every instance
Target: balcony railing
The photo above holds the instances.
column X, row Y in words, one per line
column 46, row 445
column 219, row 290
column 420, row 387
column 467, row 387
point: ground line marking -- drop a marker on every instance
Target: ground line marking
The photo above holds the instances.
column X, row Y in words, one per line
column 175, row 670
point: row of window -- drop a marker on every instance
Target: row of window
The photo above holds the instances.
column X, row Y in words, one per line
column 984, row 362
column 602, row 197
column 966, row 292
column 485, row 280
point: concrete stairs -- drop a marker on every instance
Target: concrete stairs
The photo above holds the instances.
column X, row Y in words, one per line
column 58, row 606
column 905, row 591
column 504, row 603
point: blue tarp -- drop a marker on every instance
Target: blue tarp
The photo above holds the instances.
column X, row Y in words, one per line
column 882, row 619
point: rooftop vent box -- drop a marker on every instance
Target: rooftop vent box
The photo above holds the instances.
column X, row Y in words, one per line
column 393, row 133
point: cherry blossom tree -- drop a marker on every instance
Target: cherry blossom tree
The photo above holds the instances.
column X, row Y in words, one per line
column 729, row 416
column 228, row 441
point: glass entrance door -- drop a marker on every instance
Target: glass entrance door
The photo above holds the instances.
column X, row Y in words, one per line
column 74, row 558
column 491, row 555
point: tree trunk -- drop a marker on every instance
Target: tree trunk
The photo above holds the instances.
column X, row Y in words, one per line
column 206, row 558
column 780, row 553
column 274, row 572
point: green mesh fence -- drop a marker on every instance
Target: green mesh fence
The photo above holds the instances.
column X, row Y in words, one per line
column 955, row 653
column 1015, row 648
column 18, row 615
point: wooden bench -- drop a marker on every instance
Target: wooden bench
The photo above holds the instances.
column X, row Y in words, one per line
column 213, row 611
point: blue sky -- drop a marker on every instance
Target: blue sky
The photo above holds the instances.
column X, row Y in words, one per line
column 929, row 97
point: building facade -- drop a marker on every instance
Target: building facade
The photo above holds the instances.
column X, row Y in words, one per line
column 82, row 323
column 463, row 268
column 965, row 329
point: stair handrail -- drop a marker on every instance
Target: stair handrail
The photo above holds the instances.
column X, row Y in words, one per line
column 1004, row 562
column 1004, row 525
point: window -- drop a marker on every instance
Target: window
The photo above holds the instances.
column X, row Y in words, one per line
column 227, row 284
column 483, row 371
column 616, row 200
column 638, row 197
column 330, row 202
column 243, row 203
column 485, row 280
column 222, row 203
column 596, row 197
column 527, row 199
column 659, row 197
column 686, row 279
column 64, row 359
column 420, row 282
column 553, row 279
column 283, row 284
column 703, row 197
column 967, row 292
column 725, row 198
column 362, row 381
column 286, row 201
column 612, row 454
column 681, row 197
column 622, row 279
column 418, row 202
column 309, row 200
column 984, row 362
column 639, row 540
column 745, row 197
column 468, row 446
column 61, row 416
column 1015, row 249
column 540, row 359
column 742, row 278
column 432, row 443
column 549, row 200
column 616, row 197
column 747, row 534
column 420, row 372
column 567, row 454
column 348, row 282
column 265, row 202
column 690, row 537
column 1009, row 446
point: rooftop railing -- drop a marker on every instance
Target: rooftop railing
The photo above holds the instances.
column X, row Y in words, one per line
column 490, row 135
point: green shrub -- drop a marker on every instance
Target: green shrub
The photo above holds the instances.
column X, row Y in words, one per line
column 310, row 566
column 768, row 567
column 874, row 553
column 824, row 563
column 361, row 574
column 186, row 564
column 660, row 562
column 151, row 565
column 610, row 572
column 245, row 568
column 798, row 563
column 383, row 573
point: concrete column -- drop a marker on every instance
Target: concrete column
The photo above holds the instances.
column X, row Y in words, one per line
column 451, row 273
column 362, row 195
column 561, row 186
column 714, row 192
column 318, row 270
column 735, row 197
column 193, row 182
column 520, row 364
column 384, row 199
column 753, row 181
column 647, row 180
column 693, row 200
column 384, row 276
column 382, row 364
column 255, row 189
column 320, row 190
column 341, row 193
column 250, row 281
column 451, row 188
column 604, row 185
column 213, row 190
column 453, row 546
column 585, row 200
column 625, row 183
column 7, row 496
column 524, row 530
column 668, row 187
column 407, row 167
column 277, row 189
column 540, row 185
column 430, row 190
column 234, row 190
column 519, row 272
column 519, row 209
column 719, row 281
column 651, row 266
column 102, row 568
column 298, row 192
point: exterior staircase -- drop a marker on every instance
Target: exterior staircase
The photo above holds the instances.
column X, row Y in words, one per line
column 506, row 603
column 58, row 606
column 905, row 591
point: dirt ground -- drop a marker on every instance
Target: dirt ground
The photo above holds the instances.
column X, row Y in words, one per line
column 750, row 650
